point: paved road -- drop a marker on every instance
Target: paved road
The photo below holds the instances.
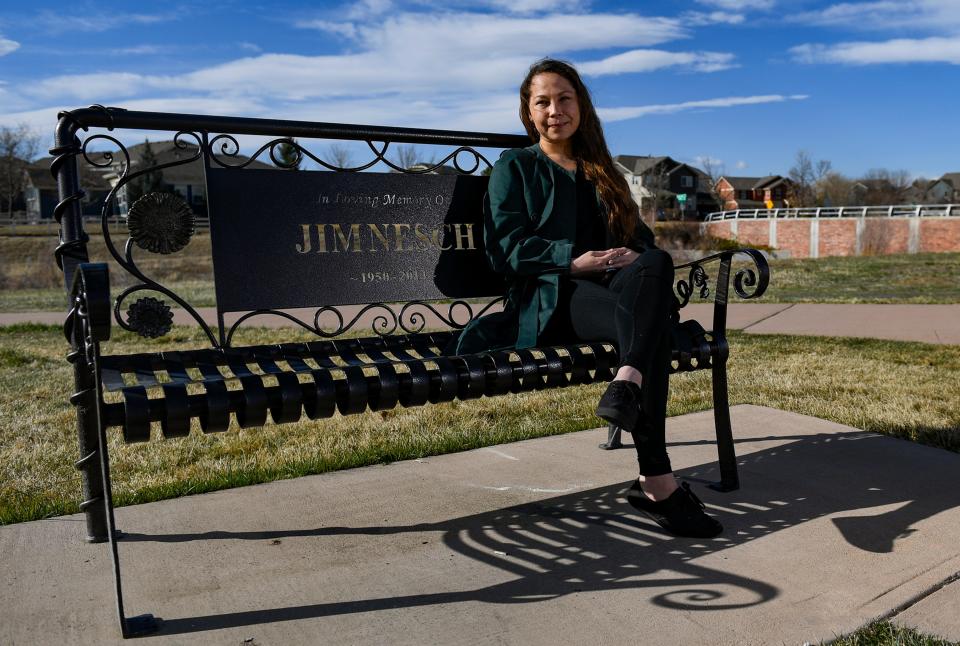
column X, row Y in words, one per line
column 525, row 543
column 927, row 323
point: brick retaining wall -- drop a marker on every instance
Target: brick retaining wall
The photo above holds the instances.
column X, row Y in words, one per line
column 815, row 237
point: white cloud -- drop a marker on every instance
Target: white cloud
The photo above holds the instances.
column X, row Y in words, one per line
column 647, row 60
column 935, row 15
column 900, row 50
column 408, row 54
column 739, row 5
column 532, row 6
column 56, row 23
column 345, row 29
column 700, row 19
column 94, row 87
column 462, row 35
column 7, row 46
column 621, row 114
column 366, row 9
column 710, row 165
column 442, row 69
column 140, row 50
column 741, row 165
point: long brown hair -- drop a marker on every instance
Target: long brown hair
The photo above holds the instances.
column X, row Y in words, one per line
column 590, row 147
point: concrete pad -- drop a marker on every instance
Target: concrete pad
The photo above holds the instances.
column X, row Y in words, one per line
column 937, row 614
column 739, row 315
column 927, row 323
column 525, row 543
column 44, row 318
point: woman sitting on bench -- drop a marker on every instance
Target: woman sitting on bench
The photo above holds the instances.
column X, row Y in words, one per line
column 582, row 266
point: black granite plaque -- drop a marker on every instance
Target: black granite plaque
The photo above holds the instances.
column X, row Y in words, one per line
column 285, row 239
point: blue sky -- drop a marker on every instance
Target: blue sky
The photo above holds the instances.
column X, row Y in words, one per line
column 746, row 83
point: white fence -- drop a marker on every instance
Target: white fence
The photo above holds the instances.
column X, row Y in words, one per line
column 923, row 211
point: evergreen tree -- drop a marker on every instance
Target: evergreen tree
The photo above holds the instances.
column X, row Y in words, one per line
column 150, row 182
column 289, row 155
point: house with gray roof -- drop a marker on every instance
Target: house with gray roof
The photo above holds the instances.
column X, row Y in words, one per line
column 944, row 190
column 185, row 179
column 40, row 192
column 666, row 187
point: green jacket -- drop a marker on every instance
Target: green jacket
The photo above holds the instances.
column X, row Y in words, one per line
column 530, row 223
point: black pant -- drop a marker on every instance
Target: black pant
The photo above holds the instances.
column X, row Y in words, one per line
column 632, row 310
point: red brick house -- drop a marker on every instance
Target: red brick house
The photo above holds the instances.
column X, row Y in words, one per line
column 753, row 192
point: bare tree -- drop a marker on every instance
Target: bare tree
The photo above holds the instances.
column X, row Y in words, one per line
column 714, row 170
column 18, row 146
column 805, row 174
column 405, row 155
column 657, row 181
column 835, row 189
column 885, row 186
column 408, row 155
column 338, row 155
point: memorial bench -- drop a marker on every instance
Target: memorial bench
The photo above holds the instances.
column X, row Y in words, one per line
column 285, row 240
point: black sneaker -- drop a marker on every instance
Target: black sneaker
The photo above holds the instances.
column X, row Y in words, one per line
column 682, row 514
column 620, row 404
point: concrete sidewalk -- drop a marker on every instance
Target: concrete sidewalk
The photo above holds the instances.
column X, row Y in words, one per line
column 926, row 323
column 526, row 543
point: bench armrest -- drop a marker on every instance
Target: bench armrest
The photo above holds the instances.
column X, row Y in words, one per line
column 748, row 283
column 90, row 301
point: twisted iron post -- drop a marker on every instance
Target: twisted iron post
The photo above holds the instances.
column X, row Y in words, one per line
column 72, row 251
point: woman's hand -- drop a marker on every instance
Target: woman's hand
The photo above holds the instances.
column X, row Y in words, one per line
column 598, row 262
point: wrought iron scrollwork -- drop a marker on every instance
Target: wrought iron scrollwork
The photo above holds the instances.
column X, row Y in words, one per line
column 413, row 321
column 748, row 277
column 383, row 324
column 170, row 237
column 224, row 151
column 756, row 277
column 386, row 322
column 697, row 278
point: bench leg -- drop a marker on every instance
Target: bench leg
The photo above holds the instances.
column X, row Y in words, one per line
column 613, row 438
column 729, row 480
column 92, row 421
column 85, row 400
column 129, row 626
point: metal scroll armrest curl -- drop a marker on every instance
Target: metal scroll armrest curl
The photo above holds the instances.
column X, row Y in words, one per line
column 748, row 282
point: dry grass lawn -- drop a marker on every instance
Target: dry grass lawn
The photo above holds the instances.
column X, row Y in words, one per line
column 903, row 389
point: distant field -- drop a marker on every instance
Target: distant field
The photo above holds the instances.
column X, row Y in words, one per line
column 30, row 281
column 906, row 278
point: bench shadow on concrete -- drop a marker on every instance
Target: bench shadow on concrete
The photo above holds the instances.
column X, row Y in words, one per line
column 592, row 541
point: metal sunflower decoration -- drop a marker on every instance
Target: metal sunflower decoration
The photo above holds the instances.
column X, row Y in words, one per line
column 150, row 317
column 160, row 222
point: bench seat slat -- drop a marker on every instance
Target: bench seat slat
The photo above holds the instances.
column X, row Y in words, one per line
column 173, row 363
column 355, row 375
